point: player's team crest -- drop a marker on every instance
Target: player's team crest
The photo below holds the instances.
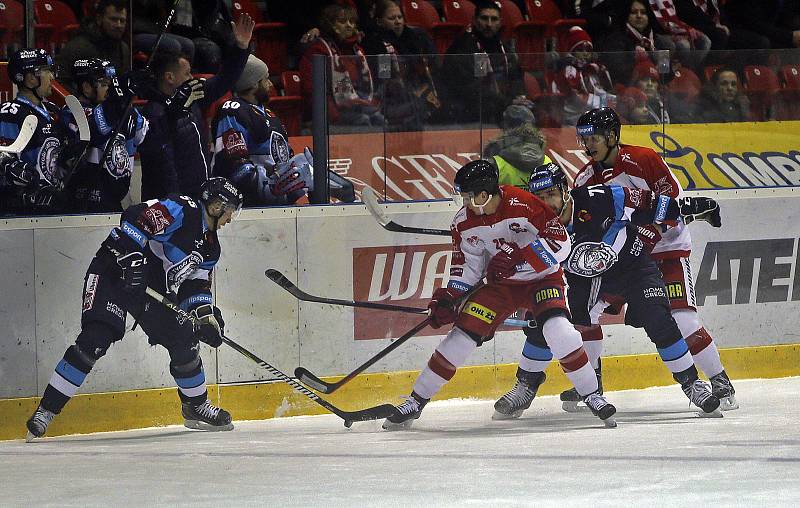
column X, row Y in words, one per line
column 117, row 161
column 516, row 228
column 591, row 258
column 48, row 159
column 278, row 147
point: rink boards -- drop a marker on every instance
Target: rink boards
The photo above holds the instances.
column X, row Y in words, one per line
column 746, row 278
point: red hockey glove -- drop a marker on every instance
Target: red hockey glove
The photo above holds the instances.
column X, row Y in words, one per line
column 649, row 235
column 504, row 264
column 442, row 307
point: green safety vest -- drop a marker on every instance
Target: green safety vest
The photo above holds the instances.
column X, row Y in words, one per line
column 509, row 175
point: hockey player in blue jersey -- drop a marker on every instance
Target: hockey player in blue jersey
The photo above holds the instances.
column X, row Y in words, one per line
column 609, row 261
column 172, row 246
column 99, row 186
column 251, row 147
column 30, row 181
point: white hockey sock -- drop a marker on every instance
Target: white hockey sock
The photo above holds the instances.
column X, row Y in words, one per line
column 450, row 354
column 700, row 342
column 584, row 379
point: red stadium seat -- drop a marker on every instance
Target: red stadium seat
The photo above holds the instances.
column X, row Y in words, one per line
column 532, row 87
column 458, row 11
column 546, row 11
column 761, row 85
column 685, row 85
column 709, row 70
column 512, row 16
column 289, row 109
column 12, row 19
column 270, row 39
column 421, row 14
column 60, row 20
column 291, row 83
column 6, row 86
column 788, row 105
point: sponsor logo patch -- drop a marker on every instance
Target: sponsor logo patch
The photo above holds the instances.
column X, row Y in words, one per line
column 675, row 290
column 234, row 142
column 115, row 309
column 90, row 291
column 158, row 218
column 477, row 310
column 654, row 292
column 547, row 294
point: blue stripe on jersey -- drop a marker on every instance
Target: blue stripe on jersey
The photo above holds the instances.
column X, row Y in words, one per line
column 543, row 254
column 134, row 233
column 618, row 198
column 459, row 286
column 613, row 231
column 9, row 131
column 176, row 211
column 191, row 382
column 198, row 299
column 173, row 253
column 229, row 122
column 673, row 352
column 70, row 372
column 208, row 265
column 537, row 353
column 661, row 208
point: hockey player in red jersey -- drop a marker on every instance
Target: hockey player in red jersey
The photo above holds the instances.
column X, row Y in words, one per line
column 512, row 238
column 631, row 166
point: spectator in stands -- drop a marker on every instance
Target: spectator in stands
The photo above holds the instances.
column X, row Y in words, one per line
column 147, row 25
column 692, row 44
column 251, row 147
column 175, row 153
column 632, row 40
column 584, row 83
column 602, row 16
column 481, row 73
column 205, row 22
column 100, row 36
column 351, row 96
column 409, row 93
column 633, row 107
column 722, row 101
column 645, row 83
column 766, row 23
column 704, row 15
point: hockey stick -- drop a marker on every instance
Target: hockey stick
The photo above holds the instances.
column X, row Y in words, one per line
column 316, row 383
column 370, row 199
column 281, row 280
column 84, row 134
column 373, row 413
column 26, row 131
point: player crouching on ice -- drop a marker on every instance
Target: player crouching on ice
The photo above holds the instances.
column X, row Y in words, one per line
column 511, row 237
column 609, row 262
column 176, row 238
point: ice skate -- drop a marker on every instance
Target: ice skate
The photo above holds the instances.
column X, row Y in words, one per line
column 601, row 408
column 722, row 389
column 700, row 395
column 405, row 414
column 206, row 416
column 571, row 400
column 512, row 404
column 38, row 422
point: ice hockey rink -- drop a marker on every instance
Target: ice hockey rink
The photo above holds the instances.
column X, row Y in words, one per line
column 661, row 454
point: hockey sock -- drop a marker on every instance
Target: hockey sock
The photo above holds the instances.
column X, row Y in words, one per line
column 535, row 358
column 67, row 377
column 191, row 381
column 565, row 342
column 592, row 337
column 700, row 342
column 676, row 356
column 450, row 354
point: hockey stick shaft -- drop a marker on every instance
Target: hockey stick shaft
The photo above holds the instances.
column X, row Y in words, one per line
column 26, row 132
column 84, row 135
column 318, row 384
column 348, row 416
column 370, row 199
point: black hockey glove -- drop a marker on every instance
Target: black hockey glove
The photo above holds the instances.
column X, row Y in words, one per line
column 134, row 82
column 209, row 326
column 21, row 174
column 190, row 91
column 45, row 198
column 700, row 208
column 134, row 272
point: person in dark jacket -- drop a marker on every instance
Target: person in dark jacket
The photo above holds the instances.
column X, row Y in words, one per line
column 722, row 101
column 99, row 37
column 176, row 152
column 778, row 21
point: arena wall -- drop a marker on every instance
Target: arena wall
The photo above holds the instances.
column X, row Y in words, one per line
column 746, row 275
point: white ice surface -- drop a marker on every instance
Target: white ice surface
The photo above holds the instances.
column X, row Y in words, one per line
column 661, row 454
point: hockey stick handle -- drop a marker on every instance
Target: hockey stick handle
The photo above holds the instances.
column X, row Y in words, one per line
column 348, row 417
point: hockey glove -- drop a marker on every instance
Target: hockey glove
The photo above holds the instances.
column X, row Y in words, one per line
column 292, row 176
column 134, row 272
column 134, row 82
column 21, row 174
column 700, row 208
column 442, row 307
column 190, row 91
column 46, row 197
column 504, row 264
column 209, row 326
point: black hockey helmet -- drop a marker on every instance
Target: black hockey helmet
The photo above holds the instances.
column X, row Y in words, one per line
column 603, row 121
column 92, row 70
column 219, row 189
column 546, row 176
column 28, row 60
column 477, row 176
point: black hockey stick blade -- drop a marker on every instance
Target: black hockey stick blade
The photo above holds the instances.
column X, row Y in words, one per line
column 281, row 280
column 370, row 199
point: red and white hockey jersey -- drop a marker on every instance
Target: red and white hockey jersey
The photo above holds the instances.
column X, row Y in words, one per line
column 521, row 218
column 639, row 167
